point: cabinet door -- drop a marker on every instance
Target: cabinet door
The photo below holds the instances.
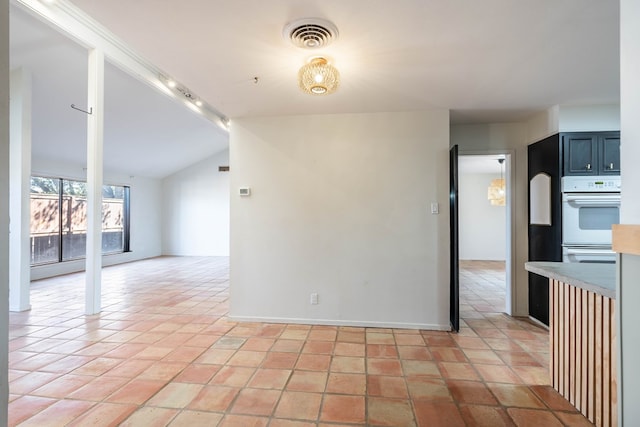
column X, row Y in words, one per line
column 580, row 154
column 609, row 154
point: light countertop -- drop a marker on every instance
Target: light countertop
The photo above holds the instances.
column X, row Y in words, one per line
column 598, row 278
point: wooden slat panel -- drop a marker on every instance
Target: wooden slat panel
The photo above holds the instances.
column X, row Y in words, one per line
column 598, row 361
column 582, row 362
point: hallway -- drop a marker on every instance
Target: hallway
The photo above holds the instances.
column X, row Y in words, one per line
column 162, row 352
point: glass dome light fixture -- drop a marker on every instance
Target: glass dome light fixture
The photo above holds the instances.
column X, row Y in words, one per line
column 318, row 77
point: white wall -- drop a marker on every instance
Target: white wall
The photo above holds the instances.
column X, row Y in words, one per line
column 508, row 138
column 196, row 209
column 482, row 226
column 587, row 118
column 4, row 209
column 628, row 291
column 340, row 207
column 146, row 217
column 573, row 118
column 544, row 124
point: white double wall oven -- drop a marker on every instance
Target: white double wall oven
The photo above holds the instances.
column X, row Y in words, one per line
column 590, row 206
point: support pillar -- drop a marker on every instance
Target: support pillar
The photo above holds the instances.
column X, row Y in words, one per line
column 19, row 190
column 95, row 133
column 627, row 291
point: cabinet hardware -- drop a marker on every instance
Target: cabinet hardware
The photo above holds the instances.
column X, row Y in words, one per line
column 588, row 166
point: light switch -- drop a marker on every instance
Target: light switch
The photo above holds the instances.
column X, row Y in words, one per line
column 435, row 208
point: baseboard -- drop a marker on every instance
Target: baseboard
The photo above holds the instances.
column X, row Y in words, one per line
column 332, row 322
column 538, row 323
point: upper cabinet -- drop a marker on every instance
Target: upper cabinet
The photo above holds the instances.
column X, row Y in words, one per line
column 609, row 154
column 587, row 153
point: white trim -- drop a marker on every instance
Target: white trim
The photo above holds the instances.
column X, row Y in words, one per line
column 79, row 26
column 510, row 262
column 333, row 322
column 45, row 271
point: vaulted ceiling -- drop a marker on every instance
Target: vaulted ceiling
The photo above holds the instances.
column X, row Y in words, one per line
column 486, row 61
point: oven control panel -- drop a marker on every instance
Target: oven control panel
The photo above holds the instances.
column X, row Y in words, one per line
column 591, row 184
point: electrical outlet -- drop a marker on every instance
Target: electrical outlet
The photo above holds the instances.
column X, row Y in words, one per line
column 313, row 298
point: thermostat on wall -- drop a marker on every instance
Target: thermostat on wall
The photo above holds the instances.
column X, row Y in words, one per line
column 244, row 191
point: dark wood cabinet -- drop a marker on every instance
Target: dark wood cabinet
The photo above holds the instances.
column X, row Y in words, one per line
column 587, row 153
column 580, row 152
column 609, row 154
column 545, row 241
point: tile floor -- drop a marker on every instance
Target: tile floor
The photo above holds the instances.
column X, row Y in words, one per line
column 162, row 353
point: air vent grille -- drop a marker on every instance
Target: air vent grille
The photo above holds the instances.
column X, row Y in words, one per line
column 310, row 33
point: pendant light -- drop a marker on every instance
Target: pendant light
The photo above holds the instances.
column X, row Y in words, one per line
column 496, row 191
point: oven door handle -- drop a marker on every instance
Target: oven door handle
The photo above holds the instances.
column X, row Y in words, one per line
column 572, row 251
column 593, row 201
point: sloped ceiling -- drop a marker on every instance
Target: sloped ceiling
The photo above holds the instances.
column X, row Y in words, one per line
column 146, row 133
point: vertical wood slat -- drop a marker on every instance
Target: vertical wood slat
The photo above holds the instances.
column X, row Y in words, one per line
column 614, row 368
column 556, row 348
column 578, row 349
column 566, row 333
column 598, row 360
column 606, row 362
column 561, row 339
column 591, row 384
column 586, row 344
column 582, row 344
column 571, row 334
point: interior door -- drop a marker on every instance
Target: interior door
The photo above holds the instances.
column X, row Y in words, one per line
column 454, row 268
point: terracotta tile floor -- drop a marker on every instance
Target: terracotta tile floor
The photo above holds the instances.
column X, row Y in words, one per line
column 162, row 353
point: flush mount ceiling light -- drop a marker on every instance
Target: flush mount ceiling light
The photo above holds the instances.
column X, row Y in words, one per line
column 318, row 77
column 310, row 33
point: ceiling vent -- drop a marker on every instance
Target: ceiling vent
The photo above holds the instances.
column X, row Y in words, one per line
column 310, row 33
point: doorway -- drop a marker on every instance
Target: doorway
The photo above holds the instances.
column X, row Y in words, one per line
column 484, row 233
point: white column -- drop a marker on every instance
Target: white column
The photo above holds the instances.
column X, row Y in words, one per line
column 95, row 130
column 19, row 179
column 4, row 209
column 628, row 291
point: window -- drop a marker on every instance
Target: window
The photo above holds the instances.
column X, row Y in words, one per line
column 45, row 220
column 59, row 219
column 115, row 214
